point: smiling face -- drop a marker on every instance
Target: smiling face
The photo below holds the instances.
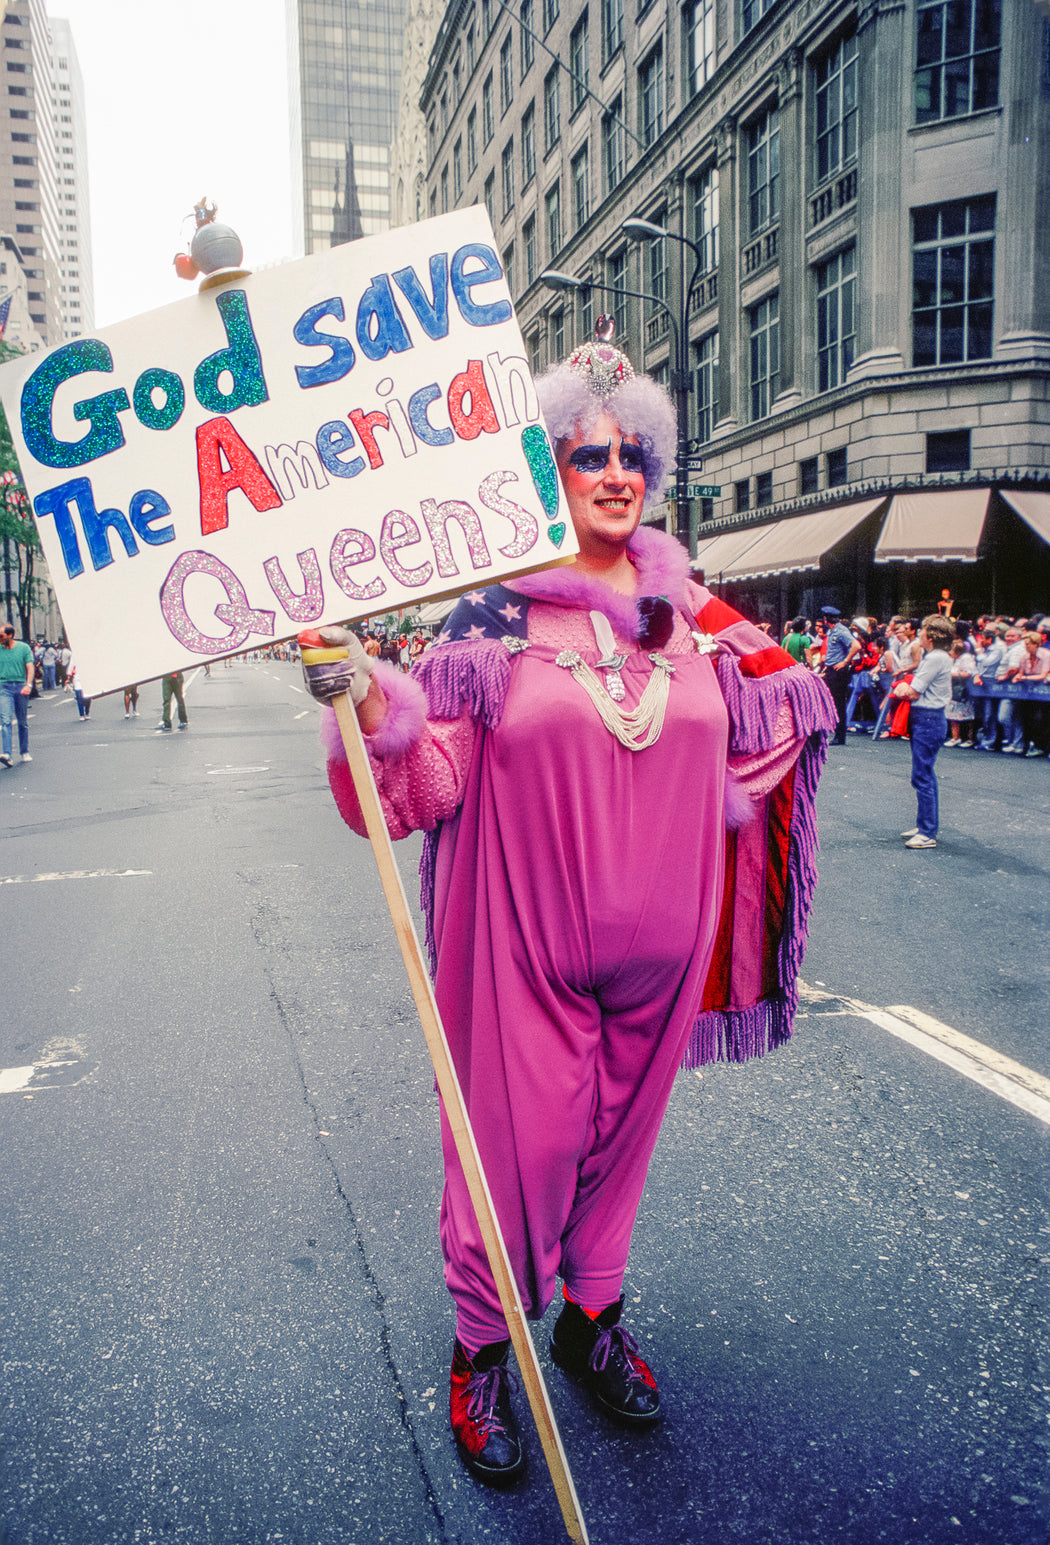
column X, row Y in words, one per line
column 604, row 484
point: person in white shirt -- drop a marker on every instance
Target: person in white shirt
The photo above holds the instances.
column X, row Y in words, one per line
column 929, row 693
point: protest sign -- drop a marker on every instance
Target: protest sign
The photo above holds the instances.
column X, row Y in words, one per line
column 348, row 434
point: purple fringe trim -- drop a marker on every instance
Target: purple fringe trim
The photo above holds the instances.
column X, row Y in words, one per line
column 754, row 702
column 738, row 1035
column 474, row 675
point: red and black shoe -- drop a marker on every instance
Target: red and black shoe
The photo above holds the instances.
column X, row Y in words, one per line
column 483, row 1423
column 603, row 1357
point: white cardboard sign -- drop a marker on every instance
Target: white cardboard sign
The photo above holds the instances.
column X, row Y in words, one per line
column 340, row 436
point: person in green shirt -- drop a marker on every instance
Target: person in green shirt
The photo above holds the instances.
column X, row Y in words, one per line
column 798, row 642
column 16, row 683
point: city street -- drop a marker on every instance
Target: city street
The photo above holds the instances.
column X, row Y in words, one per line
column 222, row 1315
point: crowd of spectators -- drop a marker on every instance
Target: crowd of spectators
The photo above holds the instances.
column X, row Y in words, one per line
column 868, row 658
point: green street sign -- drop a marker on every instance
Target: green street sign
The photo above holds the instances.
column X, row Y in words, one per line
column 702, row 490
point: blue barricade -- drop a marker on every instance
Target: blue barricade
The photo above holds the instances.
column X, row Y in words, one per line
column 1039, row 692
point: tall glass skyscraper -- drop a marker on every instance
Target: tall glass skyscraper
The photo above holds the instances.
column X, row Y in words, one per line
column 345, row 74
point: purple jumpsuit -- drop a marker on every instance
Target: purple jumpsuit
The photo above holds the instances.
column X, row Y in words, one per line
column 576, row 895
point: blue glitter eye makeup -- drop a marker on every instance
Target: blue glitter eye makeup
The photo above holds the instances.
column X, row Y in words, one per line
column 591, row 458
column 595, row 458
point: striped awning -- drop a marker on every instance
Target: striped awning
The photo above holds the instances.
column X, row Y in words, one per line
column 786, row 546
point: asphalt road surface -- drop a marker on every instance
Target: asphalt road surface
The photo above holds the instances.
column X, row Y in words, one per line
column 222, row 1317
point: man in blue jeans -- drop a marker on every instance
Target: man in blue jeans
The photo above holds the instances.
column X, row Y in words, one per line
column 929, row 693
column 16, row 683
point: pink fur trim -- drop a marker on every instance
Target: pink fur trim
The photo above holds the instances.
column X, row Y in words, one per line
column 663, row 569
column 401, row 726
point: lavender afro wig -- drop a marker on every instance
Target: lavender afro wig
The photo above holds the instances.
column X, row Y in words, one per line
column 570, row 406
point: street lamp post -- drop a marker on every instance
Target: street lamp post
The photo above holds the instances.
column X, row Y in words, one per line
column 681, row 381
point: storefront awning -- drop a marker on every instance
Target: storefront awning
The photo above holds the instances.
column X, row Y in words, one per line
column 936, row 527
column 1032, row 507
column 714, row 553
column 796, row 543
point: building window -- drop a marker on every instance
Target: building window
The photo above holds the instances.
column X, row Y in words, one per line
column 836, row 318
column 558, row 335
column 703, row 192
column 471, row 56
column 553, row 205
column 581, row 196
column 948, row 451
column 506, row 73
column 952, row 269
column 444, row 111
column 532, row 343
column 957, row 57
column 587, row 310
column 444, row 189
column 489, row 196
column 763, row 489
column 612, row 28
column 472, row 140
column 838, row 469
column 578, row 63
column 809, row 475
column 651, row 95
column 705, row 354
column 528, row 145
column 507, row 173
column 457, row 170
column 836, row 108
column 765, row 355
column 488, row 116
column 528, row 42
column 742, row 495
column 508, row 269
column 618, row 280
column 612, row 146
column 486, row 17
column 456, row 90
column 763, row 171
column 752, row 11
column 550, row 14
column 528, row 241
column 656, row 273
column 433, row 202
column 700, row 43
column 552, row 108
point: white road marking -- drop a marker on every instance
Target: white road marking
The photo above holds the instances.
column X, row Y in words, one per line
column 303, row 714
column 235, row 772
column 72, row 874
column 1010, row 1080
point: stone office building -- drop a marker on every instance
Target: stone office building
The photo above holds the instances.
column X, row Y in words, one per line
column 853, row 284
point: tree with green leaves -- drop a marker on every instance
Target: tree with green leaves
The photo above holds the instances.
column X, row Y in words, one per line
column 19, row 542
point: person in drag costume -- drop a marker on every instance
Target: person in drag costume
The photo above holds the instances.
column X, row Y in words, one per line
column 616, row 775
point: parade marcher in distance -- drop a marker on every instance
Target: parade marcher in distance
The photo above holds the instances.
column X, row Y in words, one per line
column 575, row 745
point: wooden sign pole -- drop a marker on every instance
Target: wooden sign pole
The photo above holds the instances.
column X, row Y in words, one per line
column 455, row 1109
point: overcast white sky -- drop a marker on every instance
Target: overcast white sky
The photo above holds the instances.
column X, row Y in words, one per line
column 184, row 98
